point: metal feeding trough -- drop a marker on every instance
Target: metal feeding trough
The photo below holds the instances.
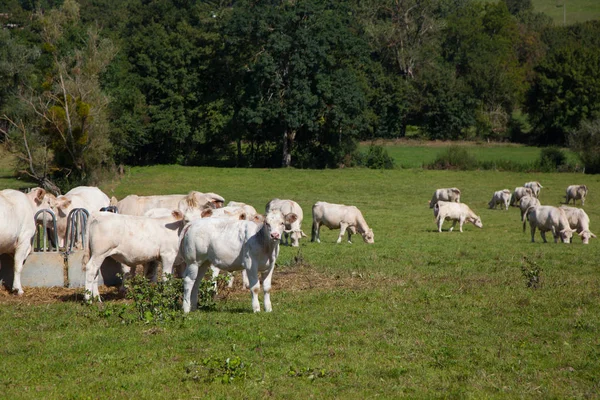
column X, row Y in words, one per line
column 48, row 265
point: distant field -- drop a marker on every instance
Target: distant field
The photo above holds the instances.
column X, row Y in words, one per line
column 576, row 10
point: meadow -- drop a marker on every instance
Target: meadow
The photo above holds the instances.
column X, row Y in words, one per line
column 418, row 314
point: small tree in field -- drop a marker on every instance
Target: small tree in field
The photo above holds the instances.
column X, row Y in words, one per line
column 586, row 142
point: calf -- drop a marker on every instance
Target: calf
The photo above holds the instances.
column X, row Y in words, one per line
column 293, row 230
column 520, row 192
column 576, row 192
column 501, row 197
column 456, row 212
column 446, row 194
column 579, row 220
column 232, row 245
column 346, row 218
column 130, row 240
column 549, row 218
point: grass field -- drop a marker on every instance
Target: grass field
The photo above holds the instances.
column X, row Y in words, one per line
column 418, row 314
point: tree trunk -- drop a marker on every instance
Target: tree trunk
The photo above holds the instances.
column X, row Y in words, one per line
column 288, row 142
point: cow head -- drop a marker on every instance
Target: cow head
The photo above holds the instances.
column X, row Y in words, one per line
column 61, row 205
column 586, row 236
column 477, row 222
column 368, row 236
column 275, row 224
column 566, row 235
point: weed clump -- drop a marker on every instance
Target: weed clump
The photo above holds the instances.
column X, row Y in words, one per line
column 454, row 157
column 532, row 274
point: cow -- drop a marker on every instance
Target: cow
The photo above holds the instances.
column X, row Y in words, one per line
column 535, row 187
column 447, row 194
column 526, row 202
column 232, row 245
column 501, row 197
column 579, row 220
column 576, row 192
column 548, row 218
column 289, row 207
column 518, row 193
column 130, row 240
column 248, row 209
column 346, row 218
column 138, row 205
column 87, row 197
column 17, row 230
column 456, row 212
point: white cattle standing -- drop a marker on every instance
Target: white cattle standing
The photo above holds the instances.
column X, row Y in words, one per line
column 286, row 207
column 138, row 205
column 527, row 202
column 520, row 192
column 535, row 187
column 579, row 220
column 342, row 217
column 549, row 218
column 446, row 194
column 17, row 230
column 501, row 197
column 576, row 192
column 130, row 240
column 232, row 245
column 456, row 212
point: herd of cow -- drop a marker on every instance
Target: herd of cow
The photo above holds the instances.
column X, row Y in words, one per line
column 189, row 233
column 562, row 221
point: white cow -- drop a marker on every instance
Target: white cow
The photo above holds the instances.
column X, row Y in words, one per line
column 535, row 187
column 446, row 194
column 130, row 240
column 576, row 192
column 501, row 197
column 549, row 218
column 520, row 192
column 232, row 245
column 17, row 230
column 456, row 212
column 526, row 202
column 138, row 205
column 289, row 207
column 342, row 217
column 88, row 197
column 579, row 220
column 248, row 209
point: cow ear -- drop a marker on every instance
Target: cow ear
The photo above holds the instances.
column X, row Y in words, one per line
column 40, row 196
column 258, row 218
column 242, row 216
column 177, row 214
column 64, row 203
column 206, row 213
column 290, row 218
column 592, row 235
column 216, row 204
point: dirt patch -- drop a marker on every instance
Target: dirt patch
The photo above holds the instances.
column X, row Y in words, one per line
column 45, row 295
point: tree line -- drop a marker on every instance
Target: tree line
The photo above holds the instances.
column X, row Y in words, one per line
column 89, row 84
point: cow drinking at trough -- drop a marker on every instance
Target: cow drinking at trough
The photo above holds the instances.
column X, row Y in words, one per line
column 232, row 245
column 446, row 194
column 501, row 197
column 342, row 217
column 456, row 212
column 576, row 192
column 579, row 220
column 293, row 230
column 549, row 218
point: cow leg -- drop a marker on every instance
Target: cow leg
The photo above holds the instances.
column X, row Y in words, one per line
column 192, row 276
column 343, row 227
column 266, row 282
column 453, row 225
column 151, row 271
column 350, row 236
column 253, row 284
column 21, row 254
column 316, row 227
column 555, row 234
column 92, row 269
column 543, row 233
column 532, row 226
column 245, row 280
column 215, row 274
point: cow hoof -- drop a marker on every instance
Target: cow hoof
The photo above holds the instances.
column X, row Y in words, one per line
column 19, row 292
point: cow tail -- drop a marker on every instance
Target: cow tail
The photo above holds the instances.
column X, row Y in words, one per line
column 86, row 243
column 526, row 218
column 436, row 212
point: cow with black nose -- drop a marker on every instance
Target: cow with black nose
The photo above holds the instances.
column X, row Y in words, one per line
column 232, row 245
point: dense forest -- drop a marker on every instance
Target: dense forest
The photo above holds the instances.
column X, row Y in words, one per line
column 87, row 85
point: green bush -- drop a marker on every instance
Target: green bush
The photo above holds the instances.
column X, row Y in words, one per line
column 378, row 158
column 155, row 302
column 551, row 158
column 586, row 142
column 454, row 157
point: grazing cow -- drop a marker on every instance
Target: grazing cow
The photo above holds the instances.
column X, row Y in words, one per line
column 286, row 207
column 346, row 218
column 88, row 197
column 447, row 194
column 500, row 197
column 549, row 218
column 576, row 192
column 526, row 202
column 456, row 212
column 138, row 205
column 248, row 209
column 535, row 187
column 17, row 230
column 579, row 220
column 130, row 240
column 520, row 192
column 232, row 245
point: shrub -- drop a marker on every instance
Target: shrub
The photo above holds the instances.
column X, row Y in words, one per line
column 551, row 158
column 378, row 158
column 454, row 157
column 586, row 142
column 155, row 302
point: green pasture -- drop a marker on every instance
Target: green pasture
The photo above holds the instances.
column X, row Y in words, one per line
column 418, row 314
column 576, row 10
